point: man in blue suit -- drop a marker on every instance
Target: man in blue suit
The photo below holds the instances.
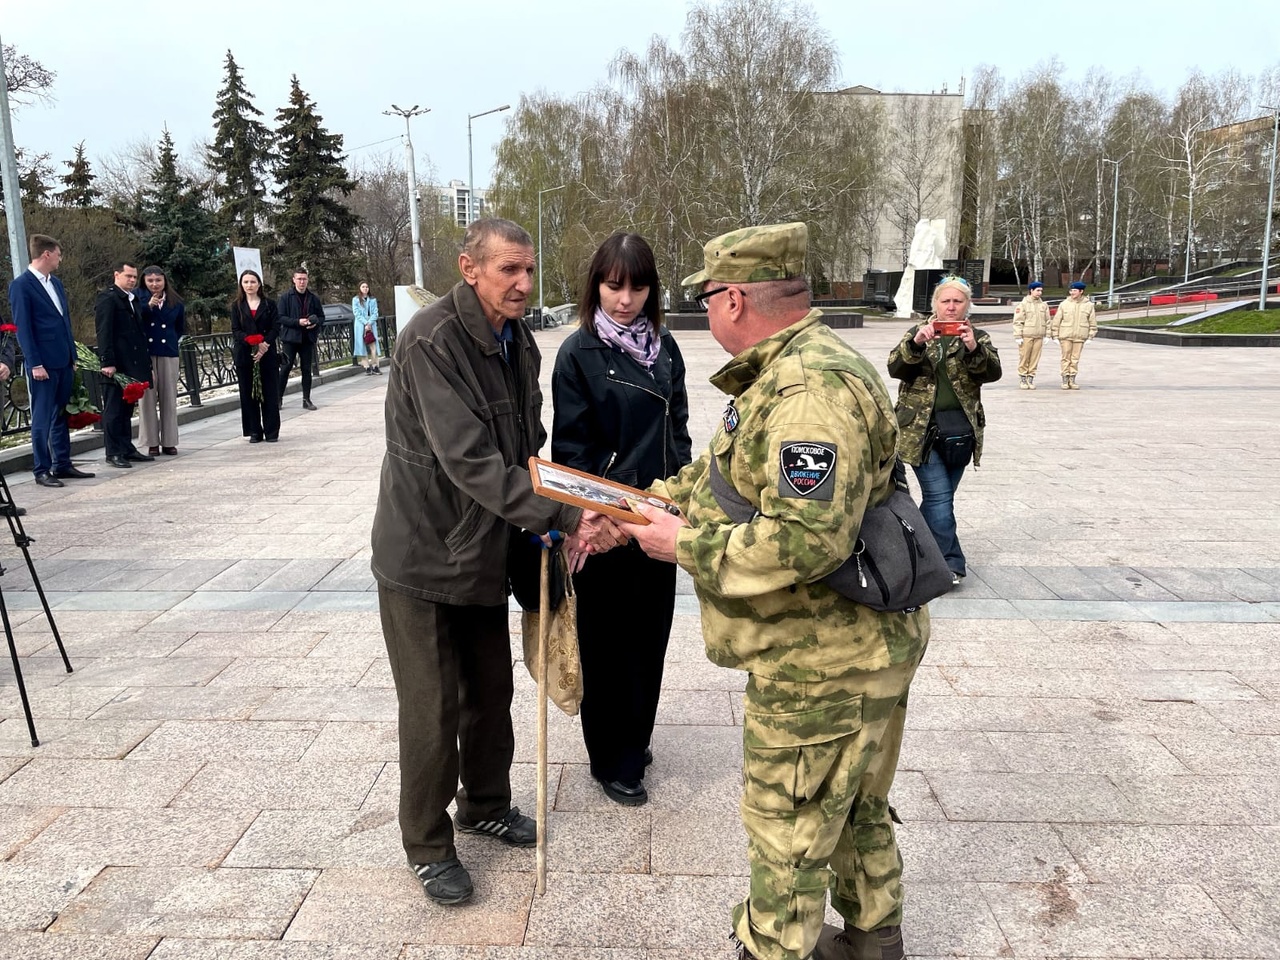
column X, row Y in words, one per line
column 40, row 311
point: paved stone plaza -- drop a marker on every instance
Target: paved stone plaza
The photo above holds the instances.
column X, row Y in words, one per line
column 1092, row 765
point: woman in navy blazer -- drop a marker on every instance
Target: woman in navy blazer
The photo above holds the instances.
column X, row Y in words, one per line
column 164, row 317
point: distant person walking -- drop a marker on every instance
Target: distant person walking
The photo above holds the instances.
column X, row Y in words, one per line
column 1075, row 322
column 255, row 325
column 1030, row 326
column 365, row 330
column 164, row 319
column 301, row 315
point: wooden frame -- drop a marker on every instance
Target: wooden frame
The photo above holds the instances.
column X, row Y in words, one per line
column 579, row 489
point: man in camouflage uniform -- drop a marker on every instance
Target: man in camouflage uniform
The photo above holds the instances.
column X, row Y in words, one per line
column 1075, row 322
column 1030, row 326
column 809, row 438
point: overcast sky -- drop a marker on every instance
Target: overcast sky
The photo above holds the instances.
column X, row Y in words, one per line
column 126, row 70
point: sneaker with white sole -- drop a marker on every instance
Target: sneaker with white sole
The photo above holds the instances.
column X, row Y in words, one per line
column 513, row 827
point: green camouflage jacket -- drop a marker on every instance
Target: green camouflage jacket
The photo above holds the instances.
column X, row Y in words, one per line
column 915, row 366
column 809, row 438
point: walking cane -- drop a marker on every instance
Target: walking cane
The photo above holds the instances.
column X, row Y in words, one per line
column 544, row 638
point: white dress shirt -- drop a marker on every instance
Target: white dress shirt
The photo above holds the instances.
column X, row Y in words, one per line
column 48, row 288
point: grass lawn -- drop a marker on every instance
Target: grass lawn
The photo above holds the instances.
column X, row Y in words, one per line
column 1238, row 321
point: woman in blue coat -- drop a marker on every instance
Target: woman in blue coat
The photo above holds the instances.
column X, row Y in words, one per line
column 365, row 330
column 165, row 320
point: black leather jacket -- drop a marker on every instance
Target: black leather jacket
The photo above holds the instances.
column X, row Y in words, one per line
column 612, row 418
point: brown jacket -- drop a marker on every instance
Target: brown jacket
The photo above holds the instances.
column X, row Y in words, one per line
column 461, row 425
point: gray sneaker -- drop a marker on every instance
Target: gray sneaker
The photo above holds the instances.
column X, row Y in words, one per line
column 513, row 827
column 445, row 881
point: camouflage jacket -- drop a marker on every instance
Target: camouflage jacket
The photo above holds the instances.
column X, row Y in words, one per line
column 1075, row 320
column 1031, row 318
column 809, row 438
column 915, row 366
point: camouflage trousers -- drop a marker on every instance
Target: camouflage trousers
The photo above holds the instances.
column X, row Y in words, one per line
column 818, row 761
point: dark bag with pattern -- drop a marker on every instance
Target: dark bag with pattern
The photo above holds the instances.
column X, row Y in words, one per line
column 896, row 564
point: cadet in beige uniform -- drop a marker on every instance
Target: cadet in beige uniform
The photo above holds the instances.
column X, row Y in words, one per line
column 1073, row 324
column 1030, row 326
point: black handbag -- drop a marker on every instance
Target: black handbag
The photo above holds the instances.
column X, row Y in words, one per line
column 896, row 564
column 953, row 437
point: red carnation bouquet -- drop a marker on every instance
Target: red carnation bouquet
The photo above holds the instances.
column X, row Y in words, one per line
column 132, row 389
column 255, row 340
column 80, row 410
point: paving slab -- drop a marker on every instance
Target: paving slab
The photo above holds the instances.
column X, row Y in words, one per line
column 188, row 902
column 1098, row 707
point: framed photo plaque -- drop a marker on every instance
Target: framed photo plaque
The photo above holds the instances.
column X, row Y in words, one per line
column 567, row 485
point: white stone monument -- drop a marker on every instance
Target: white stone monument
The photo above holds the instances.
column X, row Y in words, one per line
column 927, row 247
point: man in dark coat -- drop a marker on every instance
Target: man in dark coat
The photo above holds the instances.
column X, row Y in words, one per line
column 41, row 314
column 122, row 345
column 301, row 315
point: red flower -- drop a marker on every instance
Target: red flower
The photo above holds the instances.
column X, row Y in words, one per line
column 86, row 418
column 133, row 391
column 8, row 328
column 254, row 339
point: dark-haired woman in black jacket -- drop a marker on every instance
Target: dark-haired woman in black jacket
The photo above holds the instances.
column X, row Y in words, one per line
column 621, row 411
column 254, row 317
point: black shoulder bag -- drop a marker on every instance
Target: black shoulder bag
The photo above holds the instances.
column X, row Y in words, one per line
column 896, row 564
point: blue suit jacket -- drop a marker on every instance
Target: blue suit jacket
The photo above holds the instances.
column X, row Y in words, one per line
column 43, row 333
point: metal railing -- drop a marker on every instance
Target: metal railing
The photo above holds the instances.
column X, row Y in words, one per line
column 204, row 365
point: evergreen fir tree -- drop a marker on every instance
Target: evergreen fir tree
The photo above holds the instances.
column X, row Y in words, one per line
column 78, row 189
column 182, row 237
column 312, row 224
column 238, row 159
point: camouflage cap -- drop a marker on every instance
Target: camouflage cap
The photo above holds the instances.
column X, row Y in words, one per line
column 753, row 254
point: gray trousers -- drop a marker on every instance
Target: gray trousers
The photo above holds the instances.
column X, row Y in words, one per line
column 160, row 431
column 453, row 674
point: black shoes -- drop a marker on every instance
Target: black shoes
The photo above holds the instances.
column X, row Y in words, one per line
column 169, row 451
column 122, row 462
column 513, row 828
column 255, row 438
column 137, row 456
column 48, row 480
column 853, row 944
column 445, row 882
column 71, row 473
column 308, row 405
column 10, row 510
column 272, row 439
column 648, row 756
column 629, row 793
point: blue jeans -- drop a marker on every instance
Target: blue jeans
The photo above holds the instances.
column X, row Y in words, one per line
column 938, row 485
column 50, row 438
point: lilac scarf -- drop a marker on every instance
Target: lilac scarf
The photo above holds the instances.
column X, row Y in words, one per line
column 635, row 339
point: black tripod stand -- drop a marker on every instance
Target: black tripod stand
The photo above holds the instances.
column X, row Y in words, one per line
column 20, row 539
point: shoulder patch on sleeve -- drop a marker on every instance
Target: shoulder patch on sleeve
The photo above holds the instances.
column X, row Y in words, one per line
column 806, row 470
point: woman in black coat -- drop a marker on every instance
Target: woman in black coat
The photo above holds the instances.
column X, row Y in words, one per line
column 255, row 316
column 621, row 411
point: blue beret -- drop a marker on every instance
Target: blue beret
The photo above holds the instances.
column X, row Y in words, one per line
column 1078, row 285
column 1035, row 285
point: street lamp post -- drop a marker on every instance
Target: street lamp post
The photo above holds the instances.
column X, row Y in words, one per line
column 471, row 173
column 541, row 302
column 1271, row 200
column 1115, row 215
column 12, row 189
column 414, row 231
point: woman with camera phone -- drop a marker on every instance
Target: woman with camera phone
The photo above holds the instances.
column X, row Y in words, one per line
column 942, row 365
